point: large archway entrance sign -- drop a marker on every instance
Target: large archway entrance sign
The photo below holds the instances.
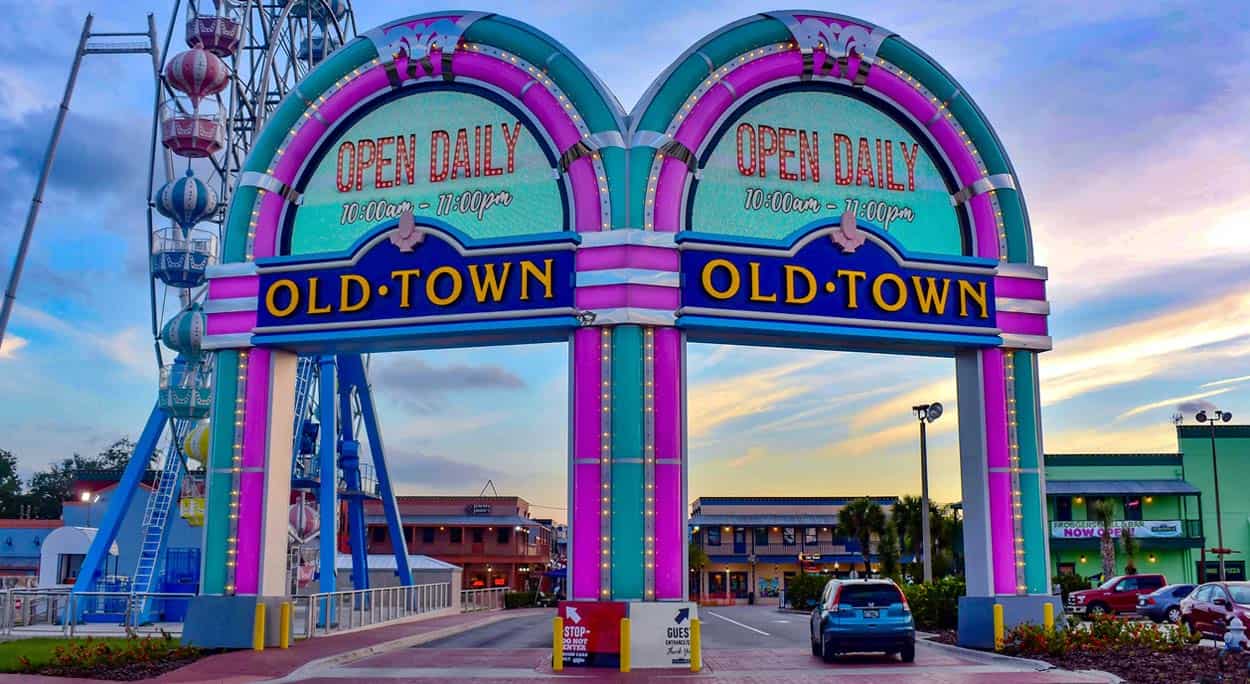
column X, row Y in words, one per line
column 794, row 179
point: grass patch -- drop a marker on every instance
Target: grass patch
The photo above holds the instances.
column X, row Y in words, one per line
column 40, row 650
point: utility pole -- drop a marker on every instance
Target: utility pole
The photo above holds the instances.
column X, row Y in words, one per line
column 86, row 46
column 926, row 413
column 1215, row 417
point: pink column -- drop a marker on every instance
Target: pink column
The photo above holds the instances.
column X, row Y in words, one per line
column 670, row 467
column 252, row 477
column 998, row 461
column 585, row 485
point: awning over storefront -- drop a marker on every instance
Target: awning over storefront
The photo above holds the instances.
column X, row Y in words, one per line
column 1119, row 487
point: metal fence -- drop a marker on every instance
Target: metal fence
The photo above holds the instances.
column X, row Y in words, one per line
column 336, row 612
column 60, row 612
column 472, row 600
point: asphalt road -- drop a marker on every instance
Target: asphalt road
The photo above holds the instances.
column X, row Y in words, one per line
column 727, row 627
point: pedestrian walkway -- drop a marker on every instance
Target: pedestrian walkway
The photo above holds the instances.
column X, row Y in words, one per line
column 240, row 667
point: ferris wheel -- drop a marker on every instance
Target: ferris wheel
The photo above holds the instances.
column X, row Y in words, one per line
column 242, row 58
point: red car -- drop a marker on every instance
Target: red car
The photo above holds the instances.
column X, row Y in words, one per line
column 1210, row 607
column 1116, row 595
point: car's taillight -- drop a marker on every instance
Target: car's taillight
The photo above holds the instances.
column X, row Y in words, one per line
column 1148, row 601
column 833, row 605
column 906, row 608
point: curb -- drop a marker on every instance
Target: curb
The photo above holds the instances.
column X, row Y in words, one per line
column 309, row 669
column 1036, row 665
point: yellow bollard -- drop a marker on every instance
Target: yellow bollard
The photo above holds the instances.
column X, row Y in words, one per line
column 624, row 644
column 696, row 646
column 998, row 626
column 258, row 628
column 1048, row 616
column 557, row 644
column 284, row 624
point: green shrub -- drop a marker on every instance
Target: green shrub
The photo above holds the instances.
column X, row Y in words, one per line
column 936, row 605
column 1104, row 633
column 1070, row 583
column 803, row 592
column 519, row 599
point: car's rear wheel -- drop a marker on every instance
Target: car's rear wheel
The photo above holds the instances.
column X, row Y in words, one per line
column 827, row 652
column 908, row 654
column 1174, row 615
column 815, row 646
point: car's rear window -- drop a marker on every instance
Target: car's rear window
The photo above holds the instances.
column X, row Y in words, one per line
column 1240, row 593
column 861, row 595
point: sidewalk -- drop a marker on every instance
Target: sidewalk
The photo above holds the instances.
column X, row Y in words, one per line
column 239, row 667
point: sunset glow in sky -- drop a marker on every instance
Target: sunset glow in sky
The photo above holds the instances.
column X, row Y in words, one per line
column 1126, row 122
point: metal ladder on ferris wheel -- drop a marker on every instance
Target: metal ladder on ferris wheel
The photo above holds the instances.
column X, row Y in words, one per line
column 155, row 518
column 304, row 379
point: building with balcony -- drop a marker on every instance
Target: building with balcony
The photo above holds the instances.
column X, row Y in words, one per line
column 1165, row 500
column 492, row 539
column 756, row 544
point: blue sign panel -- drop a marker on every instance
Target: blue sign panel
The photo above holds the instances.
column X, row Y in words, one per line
column 845, row 274
column 409, row 273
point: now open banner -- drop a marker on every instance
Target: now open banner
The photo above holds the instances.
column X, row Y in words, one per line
column 1092, row 529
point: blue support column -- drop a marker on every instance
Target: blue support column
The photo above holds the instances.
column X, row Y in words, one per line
column 353, row 368
column 327, row 500
column 132, row 476
column 349, row 463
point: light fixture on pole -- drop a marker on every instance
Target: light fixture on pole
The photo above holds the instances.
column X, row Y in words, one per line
column 89, row 499
column 1216, row 416
column 925, row 413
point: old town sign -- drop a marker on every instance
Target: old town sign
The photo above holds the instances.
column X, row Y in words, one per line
column 411, row 272
column 844, row 278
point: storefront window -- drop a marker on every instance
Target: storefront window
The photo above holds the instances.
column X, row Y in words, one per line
column 477, row 535
column 787, row 536
column 457, row 535
column 761, row 536
column 1063, row 508
column 1132, row 508
column 427, row 535
column 503, row 534
column 713, row 536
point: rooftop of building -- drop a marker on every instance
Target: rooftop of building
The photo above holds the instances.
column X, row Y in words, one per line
column 28, row 524
column 787, row 500
column 1134, row 459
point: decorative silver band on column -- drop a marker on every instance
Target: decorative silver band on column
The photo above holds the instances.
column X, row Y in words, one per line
column 605, row 464
column 648, row 458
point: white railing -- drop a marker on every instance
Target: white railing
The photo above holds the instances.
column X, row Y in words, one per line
column 472, row 600
column 60, row 612
column 324, row 614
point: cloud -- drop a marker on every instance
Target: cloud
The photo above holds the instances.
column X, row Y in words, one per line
column 422, row 385
column 10, row 346
column 1147, row 347
column 1227, row 381
column 415, row 470
column 1185, row 404
column 718, row 403
column 95, row 157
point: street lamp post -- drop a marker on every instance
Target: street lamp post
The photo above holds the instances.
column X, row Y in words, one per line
column 1216, row 416
column 926, row 413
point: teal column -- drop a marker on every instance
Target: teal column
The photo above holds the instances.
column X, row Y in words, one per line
column 219, row 477
column 1032, row 473
column 628, row 431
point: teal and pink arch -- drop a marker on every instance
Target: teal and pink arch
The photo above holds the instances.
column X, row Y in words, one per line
column 628, row 188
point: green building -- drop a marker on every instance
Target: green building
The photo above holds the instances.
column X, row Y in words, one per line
column 1166, row 500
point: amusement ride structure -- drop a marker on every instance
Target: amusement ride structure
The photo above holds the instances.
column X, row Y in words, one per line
column 241, row 59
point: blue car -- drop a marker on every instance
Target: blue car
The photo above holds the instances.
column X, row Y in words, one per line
column 1164, row 604
column 856, row 616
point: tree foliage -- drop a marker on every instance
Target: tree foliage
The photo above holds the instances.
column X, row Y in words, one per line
column 47, row 489
column 1104, row 512
column 861, row 520
column 887, row 551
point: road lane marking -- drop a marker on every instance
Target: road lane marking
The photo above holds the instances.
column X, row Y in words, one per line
column 730, row 620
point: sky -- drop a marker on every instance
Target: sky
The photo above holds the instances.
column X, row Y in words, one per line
column 1126, row 121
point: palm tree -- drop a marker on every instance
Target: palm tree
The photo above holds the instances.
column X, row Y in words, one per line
column 698, row 562
column 887, row 551
column 1130, row 546
column 860, row 520
column 909, row 524
column 1104, row 512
